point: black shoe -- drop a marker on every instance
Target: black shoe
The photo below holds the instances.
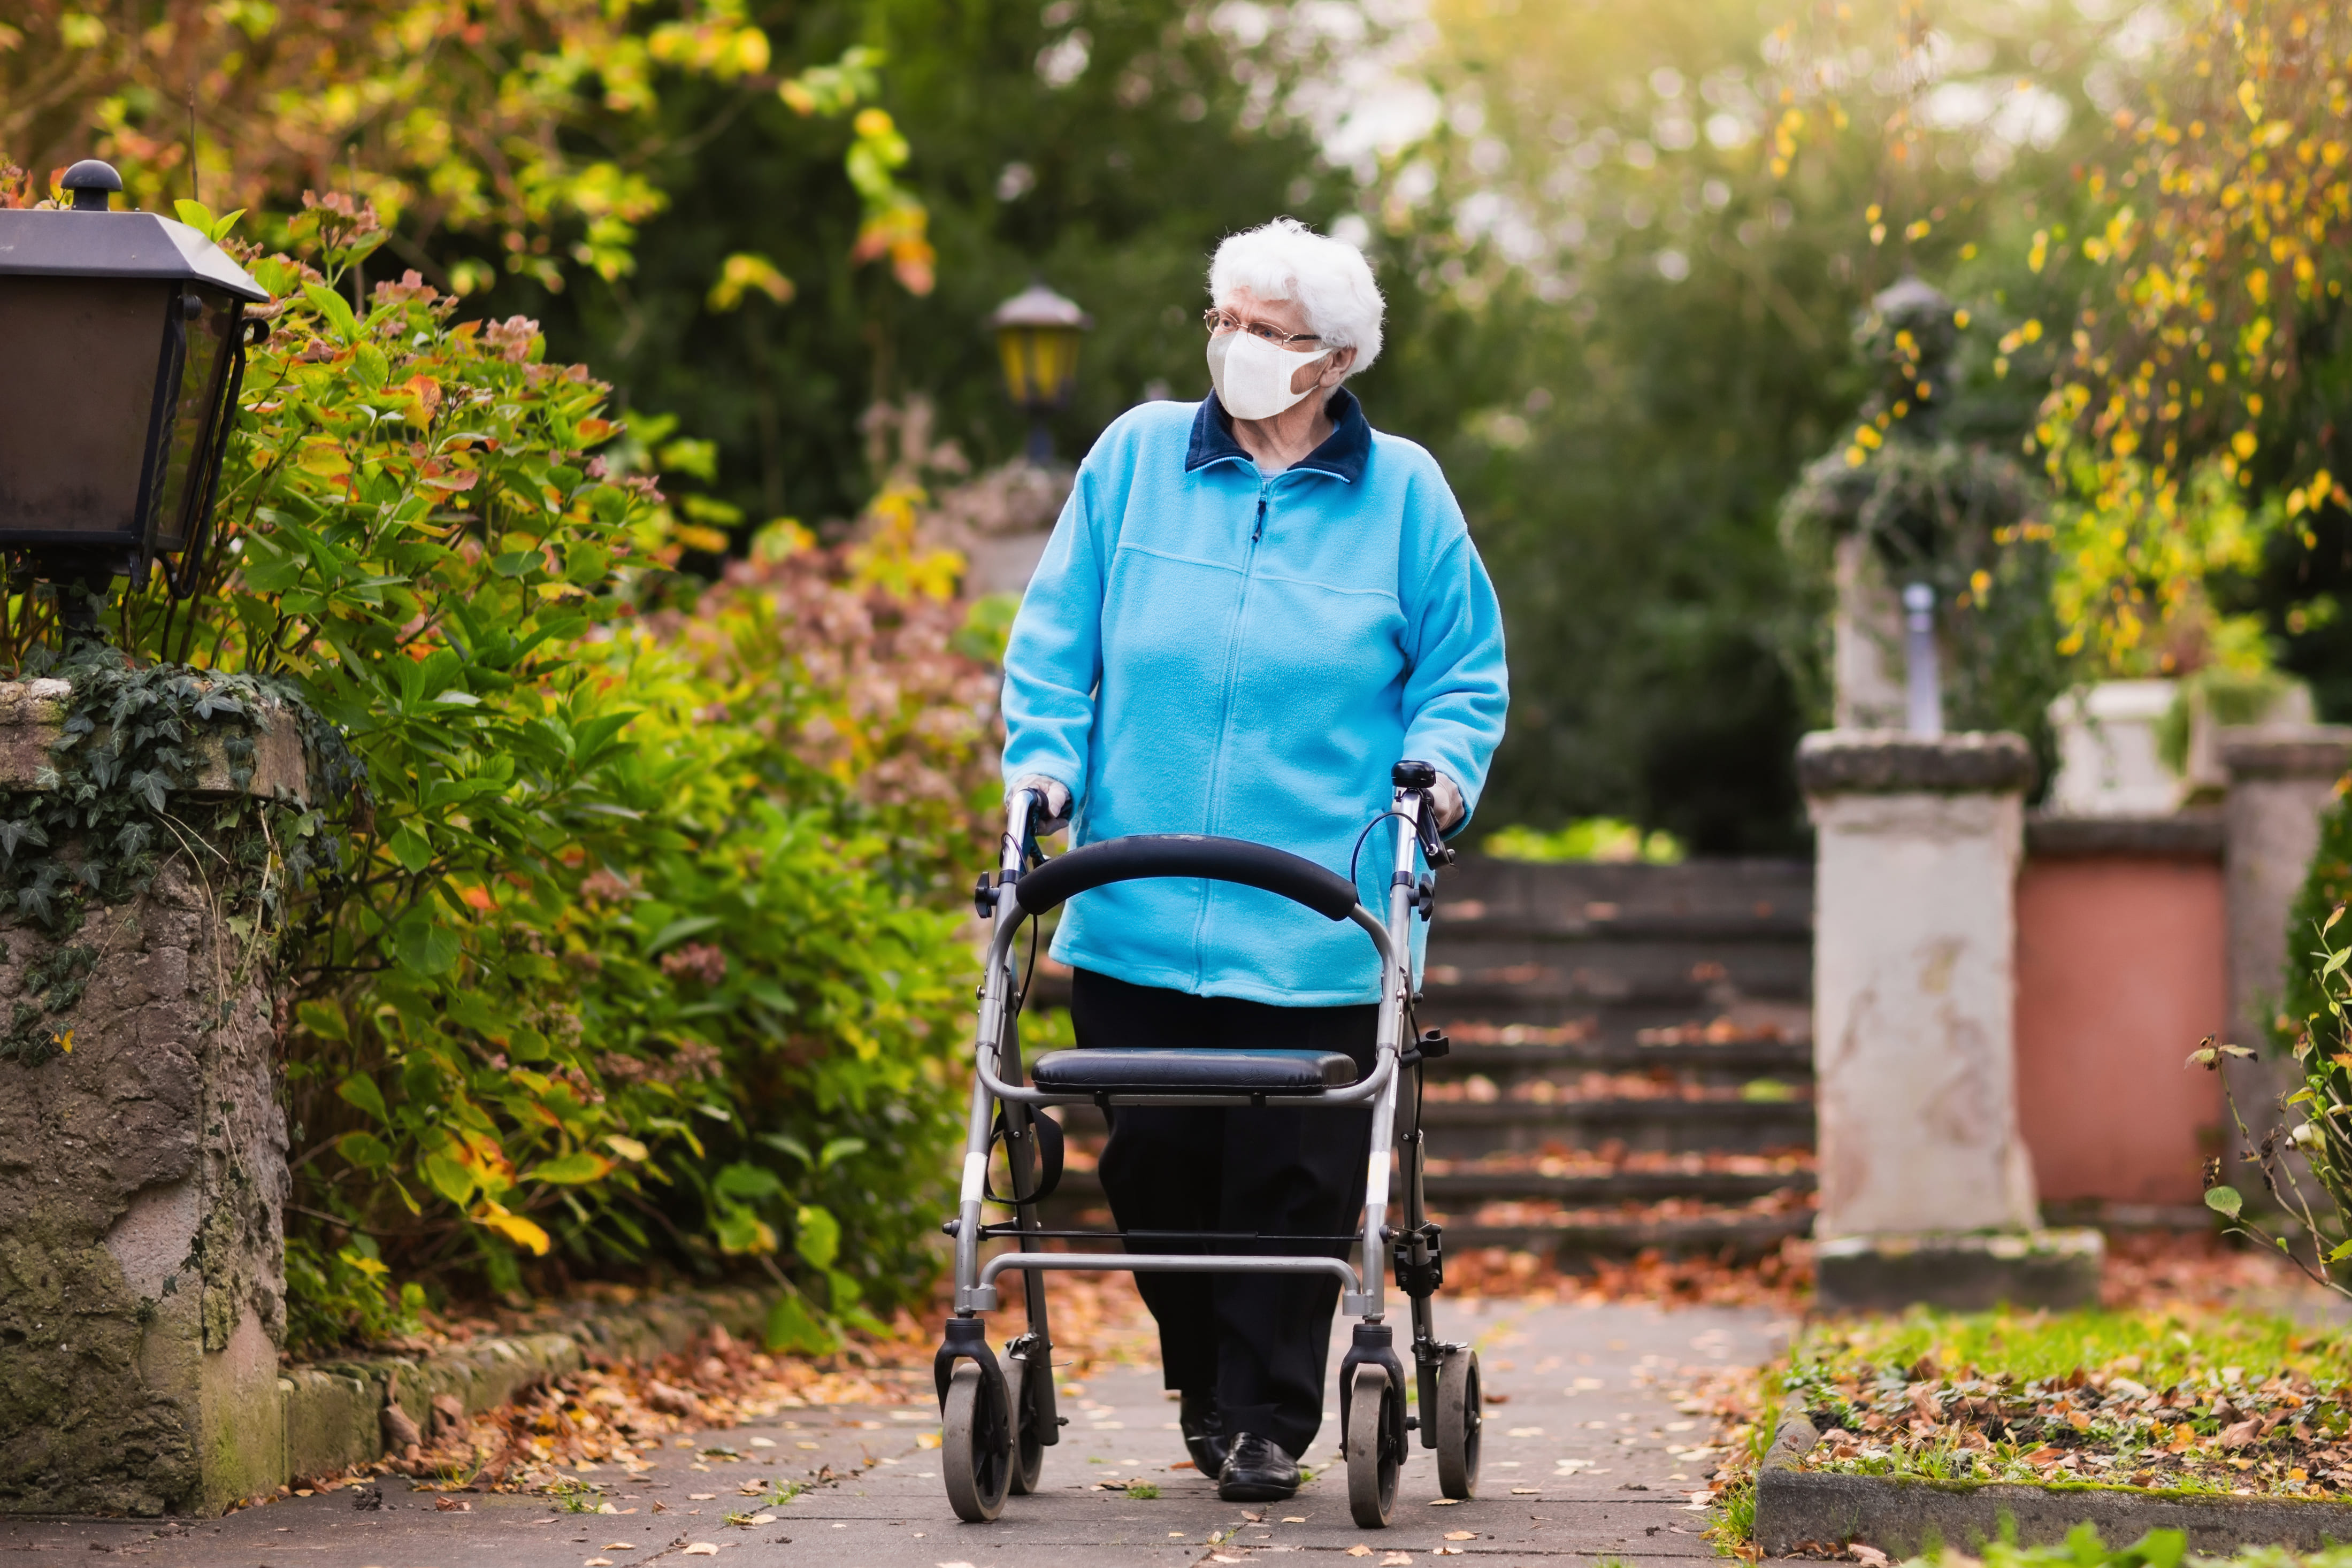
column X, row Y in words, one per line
column 1204, row 1433
column 1257, row 1470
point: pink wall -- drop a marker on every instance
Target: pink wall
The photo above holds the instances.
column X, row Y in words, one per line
column 2120, row 972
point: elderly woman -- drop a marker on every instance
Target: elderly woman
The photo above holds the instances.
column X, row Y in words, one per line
column 1250, row 608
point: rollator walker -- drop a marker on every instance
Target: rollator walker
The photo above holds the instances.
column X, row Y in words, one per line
column 999, row 1416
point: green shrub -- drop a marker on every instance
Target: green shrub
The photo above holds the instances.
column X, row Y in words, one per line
column 624, row 950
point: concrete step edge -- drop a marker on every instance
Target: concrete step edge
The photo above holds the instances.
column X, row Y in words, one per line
column 333, row 1410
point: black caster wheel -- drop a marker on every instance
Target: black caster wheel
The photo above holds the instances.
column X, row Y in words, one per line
column 1028, row 1438
column 975, row 1446
column 1458, row 1415
column 1372, row 1458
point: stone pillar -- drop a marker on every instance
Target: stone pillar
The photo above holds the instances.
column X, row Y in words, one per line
column 142, row 1170
column 1927, row 1188
column 2282, row 778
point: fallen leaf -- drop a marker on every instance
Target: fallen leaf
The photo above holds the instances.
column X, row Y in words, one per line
column 452, row 1505
column 926, row 1439
column 1433, row 1502
column 1527, row 1492
column 597, row 1562
column 1294, row 1519
column 764, row 1442
column 1460, row 1535
column 606, row 1508
column 1220, row 1557
column 2045, row 1455
column 1447, row 1552
column 701, row 1497
column 806, row 1445
column 1187, row 1465
column 1360, row 1550
column 1869, row 1556
column 1397, row 1560
column 701, row 1549
column 2240, row 1435
column 618, row 1546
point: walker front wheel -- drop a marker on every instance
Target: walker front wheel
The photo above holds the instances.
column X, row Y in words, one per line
column 1372, row 1458
column 1028, row 1438
column 1457, row 1416
column 976, row 1445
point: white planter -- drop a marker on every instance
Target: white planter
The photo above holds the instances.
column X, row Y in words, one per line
column 2109, row 760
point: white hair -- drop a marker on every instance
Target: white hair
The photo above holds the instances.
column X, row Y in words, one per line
column 1329, row 278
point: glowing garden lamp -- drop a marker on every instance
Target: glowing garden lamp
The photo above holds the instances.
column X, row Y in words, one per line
column 1038, row 334
column 123, row 340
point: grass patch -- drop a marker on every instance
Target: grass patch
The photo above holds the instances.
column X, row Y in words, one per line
column 2177, row 1401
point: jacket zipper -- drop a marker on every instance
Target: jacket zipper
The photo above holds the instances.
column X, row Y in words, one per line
column 1225, row 715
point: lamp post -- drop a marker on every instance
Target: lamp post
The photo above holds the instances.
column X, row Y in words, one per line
column 1038, row 334
column 124, row 337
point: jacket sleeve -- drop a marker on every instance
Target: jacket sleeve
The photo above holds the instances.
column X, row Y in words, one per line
column 1053, row 663
column 1458, row 690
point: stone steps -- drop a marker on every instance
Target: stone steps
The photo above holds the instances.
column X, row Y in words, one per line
column 1632, row 1066
column 1633, row 1063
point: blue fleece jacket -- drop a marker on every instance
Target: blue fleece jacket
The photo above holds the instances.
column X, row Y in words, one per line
column 1206, row 650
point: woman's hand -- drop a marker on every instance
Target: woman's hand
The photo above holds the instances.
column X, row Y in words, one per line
column 1056, row 797
column 1447, row 798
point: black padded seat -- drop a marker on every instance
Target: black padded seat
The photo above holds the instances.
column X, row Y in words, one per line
column 1192, row 1071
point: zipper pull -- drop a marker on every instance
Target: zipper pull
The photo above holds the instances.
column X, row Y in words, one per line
column 1259, row 532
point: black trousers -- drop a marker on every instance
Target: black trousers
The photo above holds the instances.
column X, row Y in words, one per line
column 1259, row 1343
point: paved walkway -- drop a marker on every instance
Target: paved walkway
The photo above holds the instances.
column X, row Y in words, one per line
column 1580, row 1462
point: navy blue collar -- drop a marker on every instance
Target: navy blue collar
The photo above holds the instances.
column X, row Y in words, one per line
column 1342, row 455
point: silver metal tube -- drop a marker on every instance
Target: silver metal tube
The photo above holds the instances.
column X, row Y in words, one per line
column 1166, row 1263
column 1396, row 990
column 1924, row 685
column 1017, row 830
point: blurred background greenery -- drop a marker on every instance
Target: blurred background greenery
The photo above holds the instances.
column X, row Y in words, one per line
column 1626, row 249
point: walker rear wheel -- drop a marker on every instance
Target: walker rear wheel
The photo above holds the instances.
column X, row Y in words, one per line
column 1457, row 1416
column 1028, row 1439
column 975, row 1446
column 1372, row 1458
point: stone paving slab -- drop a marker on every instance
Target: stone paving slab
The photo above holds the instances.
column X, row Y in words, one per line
column 873, row 1498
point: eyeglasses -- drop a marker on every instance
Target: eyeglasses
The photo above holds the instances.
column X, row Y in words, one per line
column 1221, row 322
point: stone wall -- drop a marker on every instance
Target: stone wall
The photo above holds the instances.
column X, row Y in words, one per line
column 142, row 1178
column 142, row 1168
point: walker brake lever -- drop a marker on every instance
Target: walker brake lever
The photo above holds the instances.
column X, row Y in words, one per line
column 1434, row 847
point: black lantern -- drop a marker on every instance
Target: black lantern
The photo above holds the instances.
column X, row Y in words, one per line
column 1038, row 334
column 123, row 340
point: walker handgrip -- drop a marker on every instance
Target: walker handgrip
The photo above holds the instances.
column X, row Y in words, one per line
column 1327, row 892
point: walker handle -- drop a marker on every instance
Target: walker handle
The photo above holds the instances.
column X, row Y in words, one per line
column 1142, row 855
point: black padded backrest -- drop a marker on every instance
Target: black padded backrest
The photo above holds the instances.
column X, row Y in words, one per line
column 1327, row 892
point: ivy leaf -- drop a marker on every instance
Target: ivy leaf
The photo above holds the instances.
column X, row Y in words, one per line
column 2224, row 1200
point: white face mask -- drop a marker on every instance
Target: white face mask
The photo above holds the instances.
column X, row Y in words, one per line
column 1252, row 377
